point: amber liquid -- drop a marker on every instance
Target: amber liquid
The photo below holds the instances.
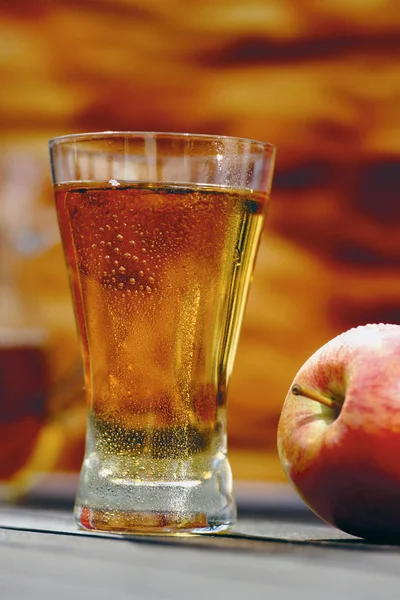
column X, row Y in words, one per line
column 159, row 277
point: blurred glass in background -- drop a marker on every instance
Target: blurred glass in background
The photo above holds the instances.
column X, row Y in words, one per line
column 319, row 80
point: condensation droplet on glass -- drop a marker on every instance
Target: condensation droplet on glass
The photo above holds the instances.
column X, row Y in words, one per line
column 237, row 257
column 122, row 269
column 132, row 281
column 120, row 236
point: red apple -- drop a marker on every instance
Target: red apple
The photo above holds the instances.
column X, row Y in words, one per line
column 339, row 432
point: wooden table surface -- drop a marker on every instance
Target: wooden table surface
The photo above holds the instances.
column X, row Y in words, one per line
column 289, row 555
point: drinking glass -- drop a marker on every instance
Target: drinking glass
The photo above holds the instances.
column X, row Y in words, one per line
column 160, row 233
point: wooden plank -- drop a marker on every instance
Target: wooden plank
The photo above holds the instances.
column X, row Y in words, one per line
column 40, row 566
column 295, row 561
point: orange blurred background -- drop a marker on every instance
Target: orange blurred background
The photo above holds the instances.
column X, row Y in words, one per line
column 320, row 80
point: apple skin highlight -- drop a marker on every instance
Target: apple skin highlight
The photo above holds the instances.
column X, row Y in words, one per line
column 345, row 463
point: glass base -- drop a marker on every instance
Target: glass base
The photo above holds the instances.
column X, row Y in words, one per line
column 151, row 523
column 113, row 498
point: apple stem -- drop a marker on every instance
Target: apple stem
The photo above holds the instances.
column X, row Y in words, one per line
column 298, row 390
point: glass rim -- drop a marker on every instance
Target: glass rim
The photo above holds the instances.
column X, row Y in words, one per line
column 71, row 137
